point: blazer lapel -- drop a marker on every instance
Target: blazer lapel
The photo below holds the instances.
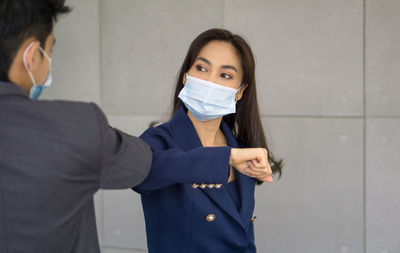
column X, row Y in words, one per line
column 223, row 200
column 246, row 188
column 187, row 138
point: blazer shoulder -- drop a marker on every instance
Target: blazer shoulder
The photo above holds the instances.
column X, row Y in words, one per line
column 69, row 108
column 159, row 137
column 74, row 118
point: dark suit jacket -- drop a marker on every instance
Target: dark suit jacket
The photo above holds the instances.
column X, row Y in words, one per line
column 176, row 211
column 54, row 156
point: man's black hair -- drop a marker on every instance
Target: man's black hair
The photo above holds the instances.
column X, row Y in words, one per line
column 22, row 19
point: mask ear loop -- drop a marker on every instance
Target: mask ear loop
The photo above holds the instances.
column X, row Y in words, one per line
column 26, row 64
column 49, row 59
column 45, row 54
column 237, row 91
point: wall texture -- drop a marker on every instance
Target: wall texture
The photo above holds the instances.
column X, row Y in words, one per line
column 328, row 80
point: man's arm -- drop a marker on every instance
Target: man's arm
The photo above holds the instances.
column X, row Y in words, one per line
column 125, row 160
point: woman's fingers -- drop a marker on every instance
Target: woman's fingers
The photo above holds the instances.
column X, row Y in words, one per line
column 262, row 177
column 268, row 179
column 252, row 162
column 253, row 173
column 264, row 163
column 263, row 174
column 240, row 155
column 260, row 169
column 245, row 169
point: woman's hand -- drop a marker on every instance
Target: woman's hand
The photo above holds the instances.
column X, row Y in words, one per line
column 252, row 162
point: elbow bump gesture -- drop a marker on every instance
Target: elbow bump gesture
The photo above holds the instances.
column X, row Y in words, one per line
column 252, row 162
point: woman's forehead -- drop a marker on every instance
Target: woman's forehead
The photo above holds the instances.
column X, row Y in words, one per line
column 220, row 53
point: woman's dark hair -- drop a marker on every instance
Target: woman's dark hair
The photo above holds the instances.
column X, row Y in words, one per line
column 22, row 19
column 246, row 123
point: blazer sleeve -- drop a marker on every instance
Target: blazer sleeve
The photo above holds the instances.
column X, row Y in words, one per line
column 172, row 165
column 125, row 160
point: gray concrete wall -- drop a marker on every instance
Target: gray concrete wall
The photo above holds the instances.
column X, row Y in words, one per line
column 328, row 80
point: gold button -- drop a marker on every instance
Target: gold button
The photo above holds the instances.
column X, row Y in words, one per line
column 210, row 218
column 194, row 186
column 202, row 186
column 218, row 186
column 210, row 186
column 253, row 219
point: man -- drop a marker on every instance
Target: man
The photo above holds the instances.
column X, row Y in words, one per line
column 54, row 155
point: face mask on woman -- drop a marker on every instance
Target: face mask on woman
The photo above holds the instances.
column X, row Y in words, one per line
column 207, row 100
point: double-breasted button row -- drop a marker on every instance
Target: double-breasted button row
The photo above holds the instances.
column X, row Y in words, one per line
column 211, row 217
column 203, row 186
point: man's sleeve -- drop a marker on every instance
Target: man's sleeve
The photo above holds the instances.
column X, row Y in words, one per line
column 125, row 160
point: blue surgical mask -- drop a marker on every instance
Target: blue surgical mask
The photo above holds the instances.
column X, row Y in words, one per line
column 207, row 100
column 36, row 90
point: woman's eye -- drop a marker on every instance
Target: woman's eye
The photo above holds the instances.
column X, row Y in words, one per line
column 226, row 76
column 200, row 68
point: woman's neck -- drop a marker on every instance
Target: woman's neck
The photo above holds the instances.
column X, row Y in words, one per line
column 209, row 131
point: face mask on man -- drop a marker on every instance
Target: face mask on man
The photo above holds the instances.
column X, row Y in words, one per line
column 36, row 90
column 207, row 100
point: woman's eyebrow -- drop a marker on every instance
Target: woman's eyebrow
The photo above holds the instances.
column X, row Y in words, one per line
column 223, row 66
column 229, row 67
column 204, row 60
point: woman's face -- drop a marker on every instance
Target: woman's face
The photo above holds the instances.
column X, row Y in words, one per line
column 218, row 62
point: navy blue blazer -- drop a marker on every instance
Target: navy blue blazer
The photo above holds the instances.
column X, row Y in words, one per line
column 178, row 215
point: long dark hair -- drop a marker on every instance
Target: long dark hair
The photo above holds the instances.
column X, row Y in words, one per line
column 246, row 123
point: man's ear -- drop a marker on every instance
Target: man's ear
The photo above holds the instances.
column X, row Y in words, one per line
column 239, row 94
column 30, row 49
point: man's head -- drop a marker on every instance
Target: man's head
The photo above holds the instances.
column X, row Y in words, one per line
column 26, row 27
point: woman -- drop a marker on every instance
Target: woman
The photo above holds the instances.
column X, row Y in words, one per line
column 190, row 202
